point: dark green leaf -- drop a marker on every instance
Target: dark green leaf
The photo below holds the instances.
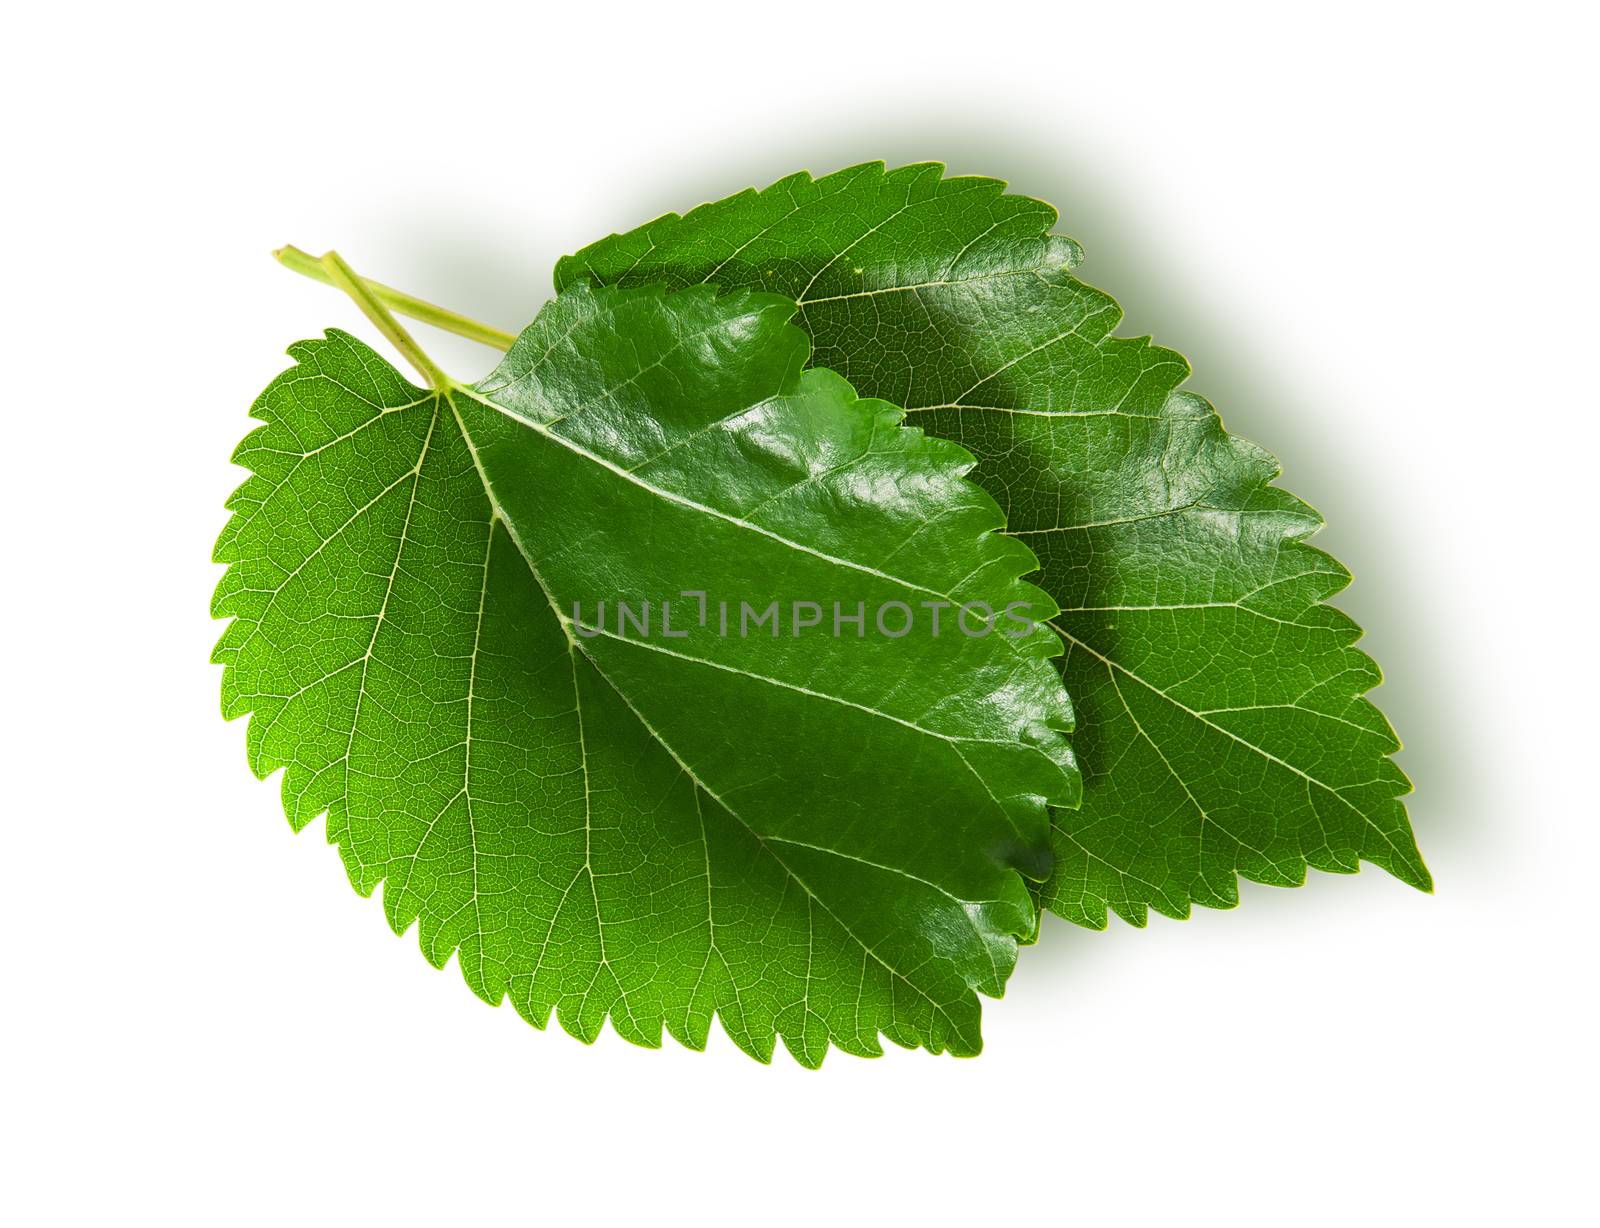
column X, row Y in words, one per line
column 1223, row 724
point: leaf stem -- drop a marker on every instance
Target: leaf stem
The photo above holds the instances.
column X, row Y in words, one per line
column 397, row 300
column 343, row 276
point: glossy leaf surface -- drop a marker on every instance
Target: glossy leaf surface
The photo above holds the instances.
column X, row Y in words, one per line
column 818, row 837
column 1223, row 723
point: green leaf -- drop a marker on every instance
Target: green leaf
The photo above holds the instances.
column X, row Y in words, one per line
column 1223, row 724
column 820, row 838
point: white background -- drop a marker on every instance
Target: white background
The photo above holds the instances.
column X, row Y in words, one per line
column 1372, row 232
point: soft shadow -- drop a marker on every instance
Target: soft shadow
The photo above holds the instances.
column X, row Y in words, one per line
column 495, row 269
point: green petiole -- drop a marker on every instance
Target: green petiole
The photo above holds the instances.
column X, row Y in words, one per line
column 394, row 300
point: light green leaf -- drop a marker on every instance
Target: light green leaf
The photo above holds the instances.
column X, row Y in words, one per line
column 815, row 837
column 1223, row 724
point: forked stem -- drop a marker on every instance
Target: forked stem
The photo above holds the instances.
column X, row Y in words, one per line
column 398, row 301
column 343, row 276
